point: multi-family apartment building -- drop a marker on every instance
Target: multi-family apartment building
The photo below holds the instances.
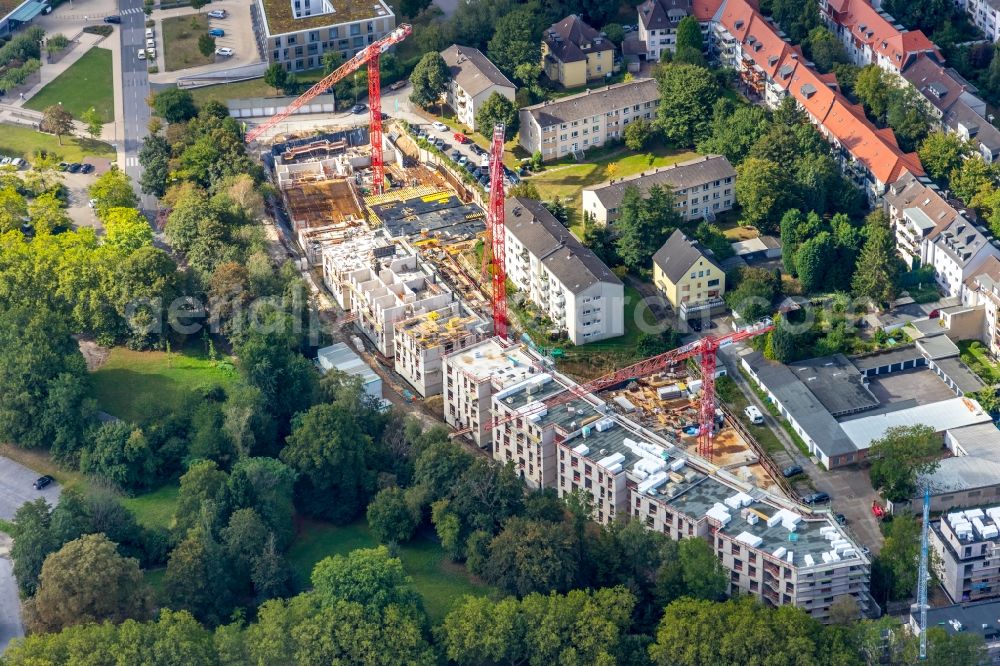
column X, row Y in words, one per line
column 985, row 14
column 769, row 547
column 473, row 80
column 871, row 36
column 563, row 278
column 658, row 20
column 918, row 212
column 574, row 53
column 422, row 341
column 297, row 33
column 576, row 123
column 471, row 378
column 702, row 188
column 967, row 544
column 983, row 289
column 687, row 275
column 958, row 252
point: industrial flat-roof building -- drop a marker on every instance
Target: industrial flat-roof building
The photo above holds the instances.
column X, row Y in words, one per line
column 942, row 416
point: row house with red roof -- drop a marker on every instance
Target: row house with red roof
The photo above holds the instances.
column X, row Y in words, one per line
column 872, row 36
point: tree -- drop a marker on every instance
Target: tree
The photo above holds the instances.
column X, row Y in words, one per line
column 154, row 156
column 267, row 486
column 533, row 556
column 687, row 92
column 197, row 579
column 112, row 189
column 175, row 105
column 735, row 131
column 331, row 61
column 515, row 41
column 46, row 213
column 119, row 454
column 812, row 262
column 825, row 49
column 907, row 115
column 637, row 134
column 243, row 540
column 87, row 581
column 13, row 209
column 497, row 110
column 201, row 491
column 429, row 79
column 899, row 456
column 762, row 190
column 755, row 291
column 33, row 541
column 971, row 176
column 57, row 120
column 127, row 230
column 844, row 610
column 879, row 266
column 390, row 517
column 198, row 4
column 689, row 34
column 874, row 90
column 900, row 557
column 276, row 76
column 703, row 575
column 558, row 210
column 367, row 576
column 206, row 44
column 94, row 122
column 644, row 225
column 270, row 574
column 942, row 152
column 795, row 17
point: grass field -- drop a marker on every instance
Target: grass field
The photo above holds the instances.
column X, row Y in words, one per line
column 155, row 509
column 178, row 37
column 130, row 382
column 247, row 89
column 18, row 140
column 440, row 582
column 87, row 83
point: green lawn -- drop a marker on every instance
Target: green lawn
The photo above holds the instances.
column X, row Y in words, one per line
column 18, row 140
column 130, row 382
column 87, row 83
column 155, row 509
column 178, row 37
column 247, row 89
column 977, row 357
column 440, row 582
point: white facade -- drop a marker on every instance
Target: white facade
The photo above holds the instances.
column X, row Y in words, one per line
column 473, row 80
column 421, row 342
column 958, row 252
column 985, row 14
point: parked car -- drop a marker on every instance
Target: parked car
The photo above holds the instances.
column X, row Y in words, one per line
column 754, row 415
column 142, row 54
column 455, row 154
column 789, row 472
column 695, row 325
column 74, row 167
column 113, row 19
column 217, row 32
column 358, row 108
column 149, row 33
column 150, row 43
column 439, row 126
column 461, row 138
column 840, row 518
column 463, row 160
column 816, row 498
column 477, row 149
column 63, row 166
column 42, row 481
column 217, row 14
column 224, row 51
column 398, row 84
column 86, row 168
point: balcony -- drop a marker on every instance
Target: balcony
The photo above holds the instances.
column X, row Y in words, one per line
column 772, row 569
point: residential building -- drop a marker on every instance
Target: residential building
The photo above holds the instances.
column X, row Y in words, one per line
column 983, row 289
column 871, row 36
column 979, row 617
column 576, row 123
column 473, row 80
column 703, row 187
column 574, row 53
column 958, row 252
column 424, row 339
column 768, row 546
column 296, row 34
column 985, row 14
column 658, row 20
column 687, row 274
column 918, row 213
column 473, row 375
column 967, row 543
column 562, row 277
column 15, row 14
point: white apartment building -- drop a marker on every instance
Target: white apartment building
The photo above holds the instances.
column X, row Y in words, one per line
column 770, row 548
column 985, row 14
column 871, row 36
column 589, row 119
column 423, row 340
column 473, row 375
column 562, row 277
column 918, row 213
column 296, row 33
column 968, row 546
column 473, row 80
column 958, row 252
column 983, row 289
column 702, row 188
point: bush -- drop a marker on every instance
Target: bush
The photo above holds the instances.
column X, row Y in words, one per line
column 102, row 30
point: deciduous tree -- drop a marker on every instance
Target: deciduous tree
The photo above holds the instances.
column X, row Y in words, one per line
column 126, row 230
column 94, row 122
column 429, row 79
column 175, row 105
column 762, row 190
column 899, row 456
column 515, row 41
column 390, row 517
column 57, row 120
column 687, row 93
column 497, row 110
column 637, row 134
column 112, row 189
column 533, row 556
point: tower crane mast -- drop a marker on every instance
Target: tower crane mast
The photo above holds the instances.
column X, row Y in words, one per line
column 497, row 234
column 367, row 56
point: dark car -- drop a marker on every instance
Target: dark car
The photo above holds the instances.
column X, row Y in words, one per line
column 358, row 108
column 816, row 498
column 789, row 472
column 86, row 168
column 42, row 481
column 695, row 325
column 841, row 518
column 74, row 167
column 113, row 19
column 63, row 166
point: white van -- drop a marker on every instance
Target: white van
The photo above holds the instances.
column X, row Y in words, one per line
column 754, row 415
column 142, row 54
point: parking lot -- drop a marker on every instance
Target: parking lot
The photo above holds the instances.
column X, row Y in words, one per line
column 474, row 161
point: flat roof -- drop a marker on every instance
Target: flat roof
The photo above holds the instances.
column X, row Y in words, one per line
column 343, row 358
column 280, row 19
column 502, row 364
column 886, row 357
column 979, row 617
column 941, row 416
column 959, row 373
column 836, row 383
column 937, row 347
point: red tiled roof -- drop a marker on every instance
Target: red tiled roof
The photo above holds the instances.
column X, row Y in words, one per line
column 869, row 27
column 704, row 10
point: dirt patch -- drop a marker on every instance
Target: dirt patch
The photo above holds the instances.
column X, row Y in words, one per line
column 94, row 354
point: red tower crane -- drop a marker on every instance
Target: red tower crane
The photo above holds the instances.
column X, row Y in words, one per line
column 370, row 56
column 705, row 347
column 497, row 234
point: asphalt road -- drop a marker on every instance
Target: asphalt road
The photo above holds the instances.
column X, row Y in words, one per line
column 10, row 605
column 135, row 88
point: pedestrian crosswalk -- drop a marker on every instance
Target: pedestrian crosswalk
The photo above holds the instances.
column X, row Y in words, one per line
column 131, row 10
column 131, row 161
